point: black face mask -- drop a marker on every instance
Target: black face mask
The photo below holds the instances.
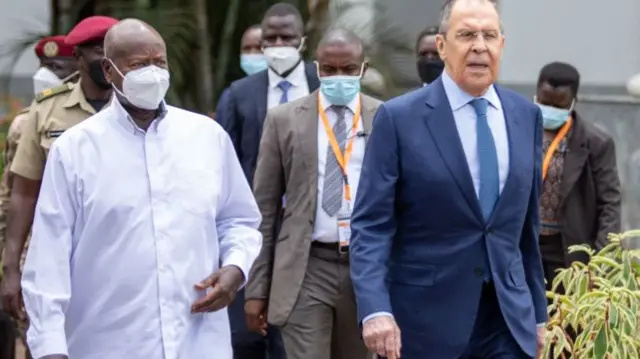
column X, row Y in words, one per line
column 429, row 69
column 97, row 75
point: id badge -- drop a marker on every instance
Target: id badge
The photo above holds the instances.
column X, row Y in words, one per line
column 344, row 233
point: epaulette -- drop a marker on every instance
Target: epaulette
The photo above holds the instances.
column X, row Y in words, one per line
column 23, row 111
column 45, row 94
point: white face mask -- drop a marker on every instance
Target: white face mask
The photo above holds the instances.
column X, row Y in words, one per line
column 144, row 88
column 44, row 79
column 282, row 58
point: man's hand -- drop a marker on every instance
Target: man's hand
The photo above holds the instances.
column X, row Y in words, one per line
column 11, row 292
column 256, row 315
column 382, row 335
column 542, row 332
column 225, row 283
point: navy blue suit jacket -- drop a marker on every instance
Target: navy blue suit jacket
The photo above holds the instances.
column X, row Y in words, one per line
column 241, row 111
column 418, row 234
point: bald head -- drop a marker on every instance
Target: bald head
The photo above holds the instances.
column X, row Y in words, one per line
column 129, row 36
column 341, row 38
column 132, row 45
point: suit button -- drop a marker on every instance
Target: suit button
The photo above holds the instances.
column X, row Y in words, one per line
column 479, row 272
column 489, row 230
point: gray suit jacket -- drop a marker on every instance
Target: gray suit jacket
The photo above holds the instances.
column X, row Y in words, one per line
column 288, row 165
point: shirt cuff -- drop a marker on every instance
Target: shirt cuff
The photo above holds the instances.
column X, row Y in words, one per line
column 541, row 325
column 376, row 314
column 50, row 343
column 237, row 259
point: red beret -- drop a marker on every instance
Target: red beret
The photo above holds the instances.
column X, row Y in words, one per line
column 53, row 46
column 90, row 29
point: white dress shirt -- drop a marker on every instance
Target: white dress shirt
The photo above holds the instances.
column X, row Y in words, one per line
column 466, row 118
column 298, row 80
column 126, row 224
column 326, row 226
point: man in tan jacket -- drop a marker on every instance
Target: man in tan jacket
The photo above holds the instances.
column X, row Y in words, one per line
column 309, row 160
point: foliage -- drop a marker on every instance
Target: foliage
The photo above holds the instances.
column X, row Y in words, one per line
column 594, row 309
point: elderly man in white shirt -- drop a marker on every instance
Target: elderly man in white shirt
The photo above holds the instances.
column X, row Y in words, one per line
column 145, row 226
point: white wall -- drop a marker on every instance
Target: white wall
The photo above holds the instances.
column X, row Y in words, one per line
column 600, row 38
column 19, row 18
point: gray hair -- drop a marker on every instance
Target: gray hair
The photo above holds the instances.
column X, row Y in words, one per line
column 445, row 15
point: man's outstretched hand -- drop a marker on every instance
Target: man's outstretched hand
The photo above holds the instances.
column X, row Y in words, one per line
column 225, row 283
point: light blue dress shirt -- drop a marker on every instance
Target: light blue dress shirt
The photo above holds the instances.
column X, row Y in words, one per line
column 127, row 222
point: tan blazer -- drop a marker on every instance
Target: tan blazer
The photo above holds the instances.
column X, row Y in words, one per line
column 288, row 165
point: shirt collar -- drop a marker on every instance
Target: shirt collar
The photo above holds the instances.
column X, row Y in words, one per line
column 458, row 98
column 296, row 77
column 77, row 98
column 352, row 105
column 125, row 120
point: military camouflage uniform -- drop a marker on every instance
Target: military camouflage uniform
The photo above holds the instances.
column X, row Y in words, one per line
column 52, row 112
column 11, row 144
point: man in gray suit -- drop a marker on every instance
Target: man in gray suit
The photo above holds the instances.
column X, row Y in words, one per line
column 301, row 278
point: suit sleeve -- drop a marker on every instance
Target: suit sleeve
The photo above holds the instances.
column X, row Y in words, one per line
column 529, row 246
column 608, row 200
column 373, row 223
column 268, row 189
column 226, row 116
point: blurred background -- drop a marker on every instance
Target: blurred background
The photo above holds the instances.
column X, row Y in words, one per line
column 602, row 39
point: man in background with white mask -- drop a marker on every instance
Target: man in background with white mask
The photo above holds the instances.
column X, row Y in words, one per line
column 52, row 112
column 241, row 112
column 312, row 151
column 57, row 66
column 140, row 265
column 57, row 63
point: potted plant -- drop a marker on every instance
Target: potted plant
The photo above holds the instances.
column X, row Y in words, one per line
column 594, row 307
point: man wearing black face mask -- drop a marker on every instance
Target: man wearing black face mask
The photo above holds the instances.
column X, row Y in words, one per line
column 53, row 111
column 428, row 61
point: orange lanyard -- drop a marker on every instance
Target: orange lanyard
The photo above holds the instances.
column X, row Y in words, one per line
column 343, row 159
column 553, row 147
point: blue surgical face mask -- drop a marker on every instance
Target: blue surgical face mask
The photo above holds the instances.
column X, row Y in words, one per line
column 253, row 63
column 553, row 118
column 340, row 90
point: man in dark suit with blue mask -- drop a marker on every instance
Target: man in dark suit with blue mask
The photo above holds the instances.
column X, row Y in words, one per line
column 242, row 109
column 241, row 112
column 444, row 254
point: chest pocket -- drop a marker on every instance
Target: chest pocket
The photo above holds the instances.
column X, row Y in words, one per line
column 196, row 188
column 50, row 131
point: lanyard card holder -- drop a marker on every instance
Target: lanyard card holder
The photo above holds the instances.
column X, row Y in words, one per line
column 344, row 232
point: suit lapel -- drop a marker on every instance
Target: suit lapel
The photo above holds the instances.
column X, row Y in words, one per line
column 261, row 98
column 368, row 112
column 306, row 122
column 442, row 127
column 312, row 77
column 574, row 160
column 517, row 137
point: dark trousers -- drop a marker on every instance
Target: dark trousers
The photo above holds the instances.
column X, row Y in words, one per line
column 251, row 345
column 491, row 338
column 8, row 336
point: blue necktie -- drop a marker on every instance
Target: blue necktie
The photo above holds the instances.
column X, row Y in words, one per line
column 284, row 85
column 489, row 175
column 488, row 158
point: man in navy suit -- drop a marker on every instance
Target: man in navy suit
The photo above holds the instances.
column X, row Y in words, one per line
column 241, row 111
column 444, row 255
column 243, row 106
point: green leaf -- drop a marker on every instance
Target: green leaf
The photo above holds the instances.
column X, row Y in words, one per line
column 601, row 344
column 613, row 316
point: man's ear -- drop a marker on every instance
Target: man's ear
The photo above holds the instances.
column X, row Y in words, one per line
column 440, row 45
column 107, row 68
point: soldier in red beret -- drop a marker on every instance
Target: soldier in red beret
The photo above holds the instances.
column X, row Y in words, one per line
column 54, row 110
column 57, row 63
